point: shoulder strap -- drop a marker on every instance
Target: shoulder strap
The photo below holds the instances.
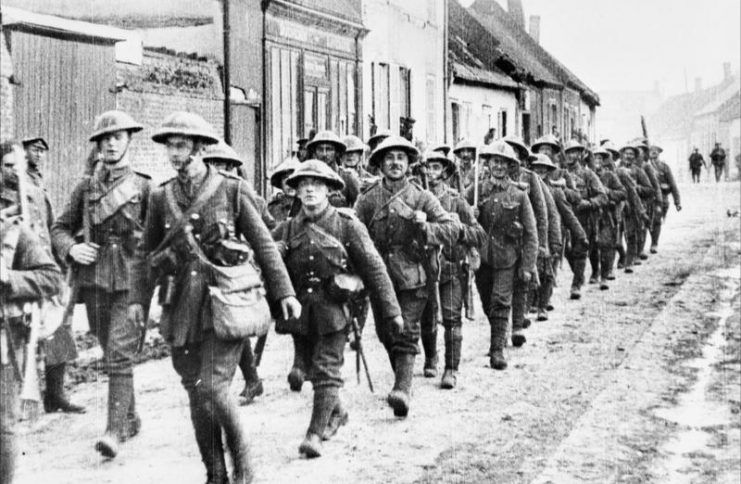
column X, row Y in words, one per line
column 208, row 191
column 388, row 202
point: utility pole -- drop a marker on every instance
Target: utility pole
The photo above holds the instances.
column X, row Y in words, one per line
column 227, row 81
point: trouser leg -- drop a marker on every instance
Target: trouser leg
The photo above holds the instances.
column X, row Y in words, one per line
column 428, row 328
column 301, row 362
column 8, row 421
column 451, row 296
column 501, row 287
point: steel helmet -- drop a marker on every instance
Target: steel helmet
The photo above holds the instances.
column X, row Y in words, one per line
column 629, row 146
column 572, row 145
column 326, row 136
column 185, row 124
column 540, row 159
column 439, row 156
column 499, row 148
column 601, row 150
column 610, row 146
column 376, row 139
column 316, row 169
column 286, row 167
column 519, row 146
column 111, row 121
column 353, row 143
column 465, row 144
column 443, row 148
column 548, row 140
column 36, row 139
column 657, row 148
column 390, row 143
column 222, row 151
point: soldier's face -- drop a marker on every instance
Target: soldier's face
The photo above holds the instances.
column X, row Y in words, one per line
column 36, row 154
column 435, row 171
column 302, row 152
column 223, row 165
column 352, row 159
column 313, row 192
column 498, row 166
column 394, row 165
column 600, row 163
column 573, row 156
column 466, row 156
column 182, row 151
column 628, row 157
column 9, row 163
column 654, row 154
column 113, row 146
column 326, row 152
column 541, row 171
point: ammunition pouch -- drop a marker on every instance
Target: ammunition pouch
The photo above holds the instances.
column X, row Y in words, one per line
column 239, row 306
column 405, row 272
column 513, row 229
column 230, row 253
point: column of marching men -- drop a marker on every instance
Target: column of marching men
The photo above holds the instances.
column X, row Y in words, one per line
column 352, row 228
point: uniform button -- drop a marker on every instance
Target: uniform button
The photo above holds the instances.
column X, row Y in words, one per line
column 114, row 245
column 193, row 273
column 198, row 236
column 167, row 226
column 311, row 257
column 310, row 290
column 311, row 273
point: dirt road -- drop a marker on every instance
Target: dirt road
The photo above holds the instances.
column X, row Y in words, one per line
column 609, row 390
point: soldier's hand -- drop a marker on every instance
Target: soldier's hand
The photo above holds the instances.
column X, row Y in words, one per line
column 420, row 217
column 397, row 325
column 679, row 207
column 282, row 248
column 290, row 307
column 583, row 206
column 525, row 275
column 85, row 253
column 476, row 212
column 135, row 315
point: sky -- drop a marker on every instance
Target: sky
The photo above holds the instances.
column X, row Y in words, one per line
column 631, row 44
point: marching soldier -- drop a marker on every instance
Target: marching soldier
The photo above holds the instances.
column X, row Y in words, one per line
column 328, row 252
column 592, row 197
column 108, row 208
column 354, row 159
column 377, row 138
column 282, row 201
column 696, row 163
column 59, row 349
column 195, row 224
column 718, row 159
column 668, row 187
column 443, row 148
column 511, row 247
column 453, row 272
column 327, row 147
column 222, row 157
column 635, row 222
column 570, row 229
column 654, row 208
column 465, row 152
column 27, row 273
column 602, row 253
column 402, row 220
column 531, row 183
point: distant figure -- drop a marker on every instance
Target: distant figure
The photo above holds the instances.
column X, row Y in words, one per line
column 718, row 158
column 696, row 164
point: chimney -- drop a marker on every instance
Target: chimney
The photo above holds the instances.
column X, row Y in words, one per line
column 515, row 10
column 698, row 84
column 535, row 28
column 727, row 71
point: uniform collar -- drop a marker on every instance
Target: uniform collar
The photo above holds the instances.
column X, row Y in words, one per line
column 302, row 218
column 110, row 174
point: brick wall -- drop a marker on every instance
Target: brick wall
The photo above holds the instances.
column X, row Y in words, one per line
column 7, row 121
column 162, row 85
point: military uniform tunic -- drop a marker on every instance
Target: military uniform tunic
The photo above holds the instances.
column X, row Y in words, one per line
column 316, row 249
column 389, row 215
column 280, row 206
column 116, row 200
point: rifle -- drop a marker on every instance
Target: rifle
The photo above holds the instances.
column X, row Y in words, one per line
column 468, row 302
column 260, row 348
column 360, row 354
column 431, row 263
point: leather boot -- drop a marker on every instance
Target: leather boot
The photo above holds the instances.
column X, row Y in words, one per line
column 498, row 342
column 120, row 392
column 208, row 438
column 453, row 341
column 578, row 266
column 298, row 372
column 429, row 345
column 400, row 396
column 518, row 337
column 252, row 383
column 55, row 399
column 542, row 314
column 338, row 418
column 325, row 400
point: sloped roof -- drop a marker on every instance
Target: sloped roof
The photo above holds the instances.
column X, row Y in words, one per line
column 472, row 50
column 344, row 9
column 57, row 26
column 675, row 116
column 732, row 91
column 526, row 52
